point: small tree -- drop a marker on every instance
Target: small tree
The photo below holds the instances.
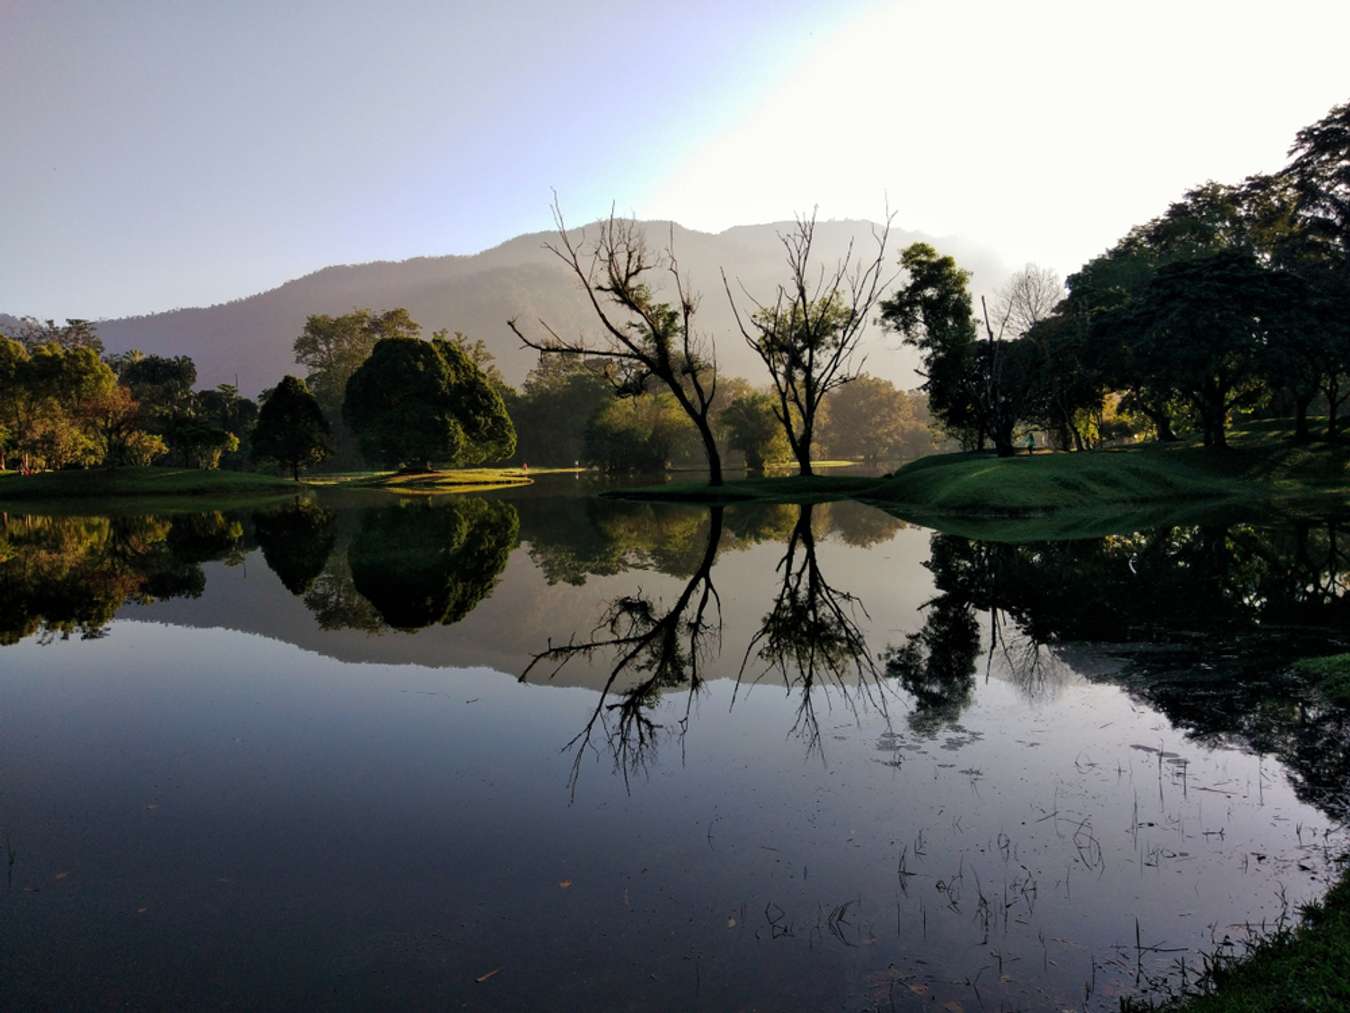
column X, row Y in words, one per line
column 752, row 427
column 808, row 335
column 291, row 428
column 644, row 339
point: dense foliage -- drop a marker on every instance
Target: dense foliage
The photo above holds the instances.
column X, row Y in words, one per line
column 291, row 427
column 413, row 402
column 1236, row 300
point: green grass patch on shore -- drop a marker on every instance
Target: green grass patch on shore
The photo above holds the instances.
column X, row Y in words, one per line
column 145, row 482
column 1063, row 495
column 1304, row 968
column 1331, row 676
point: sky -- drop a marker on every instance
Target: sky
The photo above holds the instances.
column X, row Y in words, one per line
column 167, row 154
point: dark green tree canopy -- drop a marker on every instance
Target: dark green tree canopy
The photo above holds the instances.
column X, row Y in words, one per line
column 291, row 427
column 416, row 402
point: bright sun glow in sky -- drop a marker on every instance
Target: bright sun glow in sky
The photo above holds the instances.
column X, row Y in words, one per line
column 165, row 154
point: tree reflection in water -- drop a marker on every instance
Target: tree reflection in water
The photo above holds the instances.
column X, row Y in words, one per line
column 61, row 576
column 1204, row 622
column 423, row 561
column 810, row 636
column 661, row 647
column 296, row 542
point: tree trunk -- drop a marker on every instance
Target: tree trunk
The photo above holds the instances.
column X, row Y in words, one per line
column 802, row 450
column 295, row 470
column 1301, row 432
column 710, row 448
column 1333, row 392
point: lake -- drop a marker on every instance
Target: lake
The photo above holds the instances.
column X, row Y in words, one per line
column 538, row 749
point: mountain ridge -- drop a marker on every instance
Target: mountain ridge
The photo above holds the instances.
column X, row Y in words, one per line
column 250, row 338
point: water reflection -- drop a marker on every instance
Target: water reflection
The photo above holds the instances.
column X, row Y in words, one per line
column 1205, row 622
column 61, row 576
column 1019, row 764
column 296, row 541
column 811, row 635
column 428, row 561
column 655, row 647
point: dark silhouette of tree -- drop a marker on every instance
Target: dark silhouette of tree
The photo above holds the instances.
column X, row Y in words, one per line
column 646, row 343
column 807, row 335
column 422, row 562
column 291, row 428
column 932, row 312
column 296, row 542
column 656, row 646
column 414, row 402
column 811, row 637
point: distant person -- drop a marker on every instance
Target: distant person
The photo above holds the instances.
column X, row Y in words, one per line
column 524, row 466
column 1031, row 443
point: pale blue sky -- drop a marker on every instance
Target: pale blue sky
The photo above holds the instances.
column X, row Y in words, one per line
column 172, row 154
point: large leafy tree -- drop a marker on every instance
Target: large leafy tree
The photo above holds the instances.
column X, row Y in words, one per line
column 1318, row 248
column 932, row 311
column 870, row 418
column 291, row 428
column 415, row 402
column 45, row 398
column 332, row 348
column 1213, row 319
column 555, row 405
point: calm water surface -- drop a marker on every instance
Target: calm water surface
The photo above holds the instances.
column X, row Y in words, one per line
column 535, row 749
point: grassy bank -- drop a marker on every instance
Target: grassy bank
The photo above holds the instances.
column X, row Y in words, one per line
column 1069, row 495
column 129, row 483
column 1331, row 676
column 1306, row 968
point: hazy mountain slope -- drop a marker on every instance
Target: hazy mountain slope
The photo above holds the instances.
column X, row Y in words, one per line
column 251, row 338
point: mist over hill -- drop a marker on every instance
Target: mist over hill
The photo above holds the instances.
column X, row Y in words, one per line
column 250, row 339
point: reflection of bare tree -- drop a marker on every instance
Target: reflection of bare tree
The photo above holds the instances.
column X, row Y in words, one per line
column 663, row 648
column 811, row 635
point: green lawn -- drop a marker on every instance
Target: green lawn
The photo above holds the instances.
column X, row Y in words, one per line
column 1051, row 495
column 138, row 482
column 1331, row 676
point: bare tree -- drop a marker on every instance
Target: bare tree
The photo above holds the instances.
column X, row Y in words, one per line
column 1029, row 297
column 643, row 338
column 808, row 334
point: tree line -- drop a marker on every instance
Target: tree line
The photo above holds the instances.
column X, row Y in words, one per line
column 1234, row 301
column 375, row 392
